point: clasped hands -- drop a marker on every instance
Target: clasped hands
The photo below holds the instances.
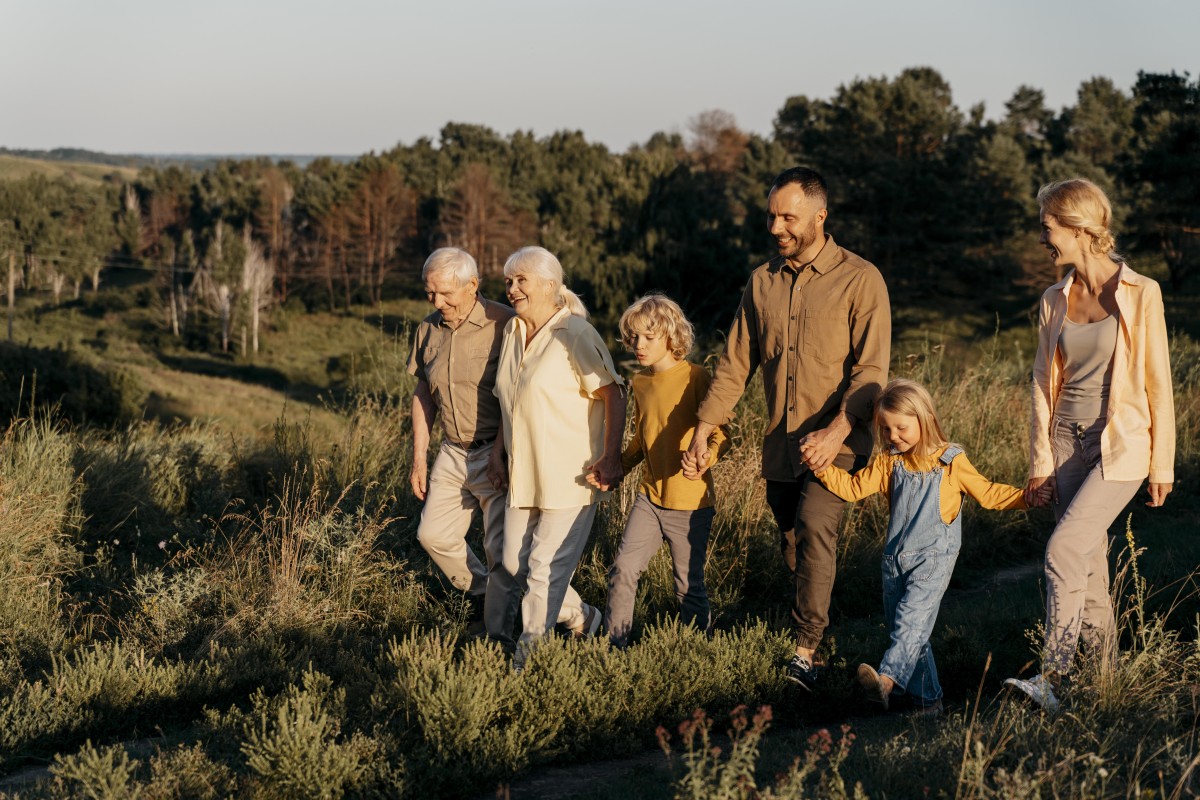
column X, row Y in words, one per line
column 1040, row 492
column 605, row 473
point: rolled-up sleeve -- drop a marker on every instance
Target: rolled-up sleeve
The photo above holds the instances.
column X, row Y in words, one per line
column 591, row 360
column 736, row 365
column 1041, row 459
column 871, row 341
column 416, row 364
column 1158, row 389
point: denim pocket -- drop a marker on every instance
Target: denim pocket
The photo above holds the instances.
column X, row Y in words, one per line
column 931, row 563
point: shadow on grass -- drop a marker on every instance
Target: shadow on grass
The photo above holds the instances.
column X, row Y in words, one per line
column 254, row 374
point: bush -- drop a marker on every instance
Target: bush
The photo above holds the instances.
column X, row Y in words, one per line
column 72, row 384
column 292, row 742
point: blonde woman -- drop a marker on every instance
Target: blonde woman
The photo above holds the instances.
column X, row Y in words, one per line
column 1103, row 419
column 563, row 410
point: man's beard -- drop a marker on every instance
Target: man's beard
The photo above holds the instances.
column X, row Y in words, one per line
column 803, row 242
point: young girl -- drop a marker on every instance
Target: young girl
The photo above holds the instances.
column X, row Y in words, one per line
column 924, row 478
column 671, row 504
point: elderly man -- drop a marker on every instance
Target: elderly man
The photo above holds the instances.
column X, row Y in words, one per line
column 817, row 320
column 454, row 357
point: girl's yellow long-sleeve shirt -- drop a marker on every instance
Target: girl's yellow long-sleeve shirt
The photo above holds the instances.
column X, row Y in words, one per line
column 664, row 420
column 959, row 477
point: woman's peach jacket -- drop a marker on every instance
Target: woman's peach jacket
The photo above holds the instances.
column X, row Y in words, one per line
column 1139, row 436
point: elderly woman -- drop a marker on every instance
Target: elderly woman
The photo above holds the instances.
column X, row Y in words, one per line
column 1103, row 419
column 563, row 411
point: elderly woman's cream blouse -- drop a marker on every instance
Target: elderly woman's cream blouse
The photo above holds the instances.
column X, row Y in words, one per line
column 553, row 416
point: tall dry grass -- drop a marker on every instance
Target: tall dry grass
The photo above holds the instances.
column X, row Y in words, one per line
column 268, row 608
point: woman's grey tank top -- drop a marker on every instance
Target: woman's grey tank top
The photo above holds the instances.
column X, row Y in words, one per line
column 1087, row 353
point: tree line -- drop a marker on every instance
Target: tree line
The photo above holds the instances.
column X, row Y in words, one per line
column 940, row 199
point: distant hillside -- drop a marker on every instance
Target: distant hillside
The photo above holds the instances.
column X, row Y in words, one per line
column 73, row 154
column 136, row 161
column 15, row 168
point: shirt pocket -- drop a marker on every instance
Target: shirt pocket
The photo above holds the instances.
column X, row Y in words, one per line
column 772, row 334
column 826, row 335
column 483, row 368
column 433, row 358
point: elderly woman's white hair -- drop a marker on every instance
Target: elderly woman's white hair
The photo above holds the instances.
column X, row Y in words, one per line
column 450, row 261
column 539, row 261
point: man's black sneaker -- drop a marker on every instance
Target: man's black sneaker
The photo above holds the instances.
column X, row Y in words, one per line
column 802, row 671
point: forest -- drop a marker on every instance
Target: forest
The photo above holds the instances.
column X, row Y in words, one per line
column 941, row 200
column 210, row 584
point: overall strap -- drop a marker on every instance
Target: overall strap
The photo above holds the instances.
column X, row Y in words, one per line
column 951, row 451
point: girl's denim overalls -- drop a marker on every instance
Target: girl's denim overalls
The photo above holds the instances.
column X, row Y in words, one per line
column 918, row 558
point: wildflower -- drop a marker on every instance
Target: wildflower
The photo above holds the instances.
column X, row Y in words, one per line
column 162, row 544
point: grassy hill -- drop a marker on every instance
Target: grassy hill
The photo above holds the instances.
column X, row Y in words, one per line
column 15, row 168
column 248, row 589
column 307, row 363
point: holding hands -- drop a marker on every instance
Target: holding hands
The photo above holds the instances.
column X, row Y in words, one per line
column 1041, row 491
column 695, row 458
column 605, row 473
column 497, row 467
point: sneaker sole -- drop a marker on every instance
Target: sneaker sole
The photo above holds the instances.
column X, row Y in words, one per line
column 869, row 680
column 591, row 624
column 1018, row 685
column 798, row 682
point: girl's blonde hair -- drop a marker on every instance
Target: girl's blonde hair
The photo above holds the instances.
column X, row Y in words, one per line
column 658, row 314
column 902, row 396
column 1078, row 203
column 541, row 262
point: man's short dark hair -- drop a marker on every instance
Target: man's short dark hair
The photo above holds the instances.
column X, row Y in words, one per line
column 809, row 179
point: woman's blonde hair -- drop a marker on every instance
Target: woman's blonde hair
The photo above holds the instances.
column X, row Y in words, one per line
column 658, row 314
column 1078, row 203
column 539, row 261
column 902, row 396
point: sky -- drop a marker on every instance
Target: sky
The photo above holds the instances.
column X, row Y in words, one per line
column 343, row 78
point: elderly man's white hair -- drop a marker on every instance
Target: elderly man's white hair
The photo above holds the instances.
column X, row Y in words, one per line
column 450, row 261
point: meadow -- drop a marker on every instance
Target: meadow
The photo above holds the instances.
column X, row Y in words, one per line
column 208, row 601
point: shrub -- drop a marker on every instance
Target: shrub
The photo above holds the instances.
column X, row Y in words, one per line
column 292, row 742
column 76, row 386
column 98, row 774
column 40, row 515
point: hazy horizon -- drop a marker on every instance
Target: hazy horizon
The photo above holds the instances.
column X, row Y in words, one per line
column 261, row 77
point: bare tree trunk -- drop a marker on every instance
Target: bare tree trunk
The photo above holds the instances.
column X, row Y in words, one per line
column 328, row 260
column 174, row 311
column 78, row 287
column 95, row 279
column 254, row 306
column 223, row 303
column 243, row 341
column 12, row 291
column 57, row 280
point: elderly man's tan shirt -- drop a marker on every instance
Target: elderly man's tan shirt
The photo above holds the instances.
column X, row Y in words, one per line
column 822, row 336
column 459, row 364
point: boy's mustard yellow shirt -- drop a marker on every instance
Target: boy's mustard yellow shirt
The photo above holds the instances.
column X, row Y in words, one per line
column 664, row 419
column 958, row 477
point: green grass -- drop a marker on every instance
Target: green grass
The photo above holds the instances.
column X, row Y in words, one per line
column 248, row 589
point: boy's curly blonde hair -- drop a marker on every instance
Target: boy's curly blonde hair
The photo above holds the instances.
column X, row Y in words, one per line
column 658, row 314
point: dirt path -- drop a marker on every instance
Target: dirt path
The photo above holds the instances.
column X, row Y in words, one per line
column 566, row 782
column 563, row 783
column 554, row 782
